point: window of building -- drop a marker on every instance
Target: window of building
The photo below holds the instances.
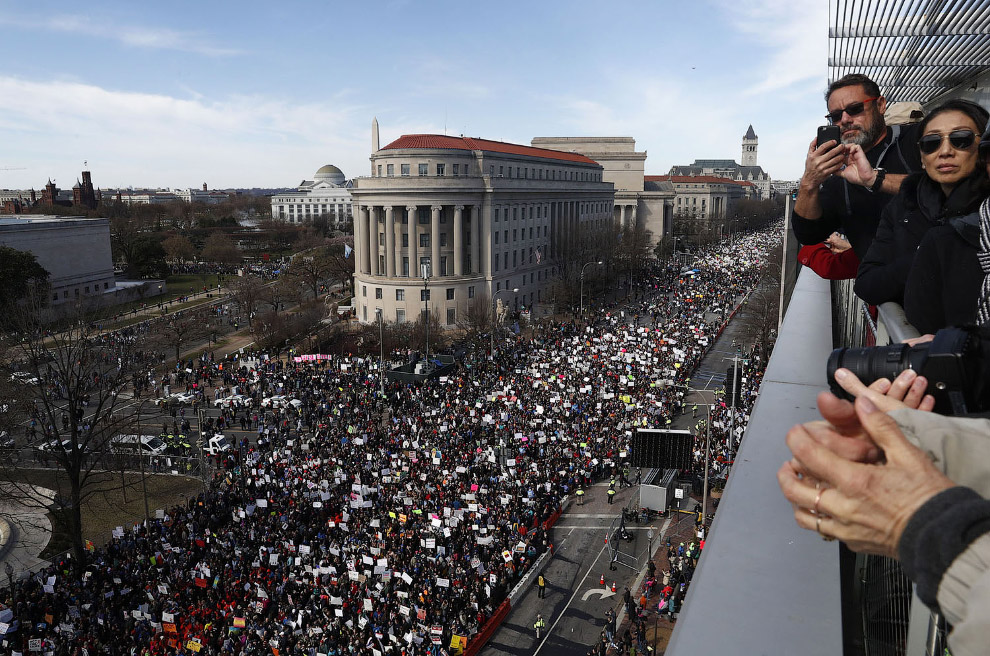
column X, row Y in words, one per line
column 424, row 169
column 450, row 294
column 404, row 169
column 405, row 266
column 506, row 238
column 424, row 267
column 496, row 238
column 378, row 292
column 530, row 233
column 515, row 235
column 400, row 316
column 405, row 240
column 506, row 261
column 500, row 171
column 381, row 264
column 424, row 215
column 451, row 316
column 498, row 286
column 491, row 170
column 365, row 312
column 424, row 240
column 379, row 170
column 471, row 291
column 400, row 294
column 443, row 239
column 424, row 295
column 364, row 290
column 457, row 169
column 390, row 170
column 443, row 266
column 441, row 170
column 381, row 238
column 514, row 260
column 495, row 263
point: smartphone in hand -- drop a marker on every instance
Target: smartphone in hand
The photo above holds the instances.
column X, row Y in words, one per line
column 828, row 133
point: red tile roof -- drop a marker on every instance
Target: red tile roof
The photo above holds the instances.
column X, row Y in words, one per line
column 435, row 141
column 696, row 178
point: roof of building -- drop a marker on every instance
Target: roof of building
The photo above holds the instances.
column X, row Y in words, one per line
column 701, row 165
column 749, row 133
column 710, row 179
column 329, row 173
column 440, row 141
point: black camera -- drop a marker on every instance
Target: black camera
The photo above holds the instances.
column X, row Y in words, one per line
column 955, row 363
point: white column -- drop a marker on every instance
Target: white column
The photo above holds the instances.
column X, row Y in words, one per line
column 389, row 243
column 632, row 217
column 373, row 241
column 458, row 238
column 413, row 230
column 622, row 217
column 476, row 239
column 361, row 239
column 486, row 243
column 435, row 241
column 397, row 243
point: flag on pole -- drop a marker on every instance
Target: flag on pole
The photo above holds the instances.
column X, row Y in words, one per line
column 347, row 251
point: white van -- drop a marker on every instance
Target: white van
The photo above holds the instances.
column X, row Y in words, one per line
column 146, row 444
column 217, row 445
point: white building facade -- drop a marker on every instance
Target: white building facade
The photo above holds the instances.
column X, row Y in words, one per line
column 327, row 194
column 483, row 217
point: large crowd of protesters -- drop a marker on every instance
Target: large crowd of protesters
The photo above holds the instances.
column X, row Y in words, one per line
column 395, row 523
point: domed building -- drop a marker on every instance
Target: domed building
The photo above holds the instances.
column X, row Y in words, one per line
column 327, row 194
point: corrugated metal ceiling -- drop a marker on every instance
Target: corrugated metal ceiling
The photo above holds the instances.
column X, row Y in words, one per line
column 914, row 49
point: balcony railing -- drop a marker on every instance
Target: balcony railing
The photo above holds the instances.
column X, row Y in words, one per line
column 765, row 586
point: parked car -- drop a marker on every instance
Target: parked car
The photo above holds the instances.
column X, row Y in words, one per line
column 280, row 401
column 146, row 444
column 24, row 378
column 235, row 400
column 180, row 398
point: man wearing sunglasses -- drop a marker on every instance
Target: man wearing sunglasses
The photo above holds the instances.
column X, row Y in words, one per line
column 846, row 185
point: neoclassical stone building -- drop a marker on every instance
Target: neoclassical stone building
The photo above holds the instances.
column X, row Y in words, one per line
column 639, row 199
column 482, row 217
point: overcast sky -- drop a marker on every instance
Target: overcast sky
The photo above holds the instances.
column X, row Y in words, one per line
column 261, row 94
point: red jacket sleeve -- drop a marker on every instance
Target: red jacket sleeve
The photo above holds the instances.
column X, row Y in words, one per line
column 828, row 265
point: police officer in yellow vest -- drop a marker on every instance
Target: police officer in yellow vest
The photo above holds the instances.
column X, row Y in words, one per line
column 580, row 496
column 541, row 584
column 539, row 625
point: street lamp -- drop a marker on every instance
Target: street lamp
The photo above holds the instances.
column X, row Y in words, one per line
column 381, row 347
column 426, row 316
column 599, row 262
column 494, row 296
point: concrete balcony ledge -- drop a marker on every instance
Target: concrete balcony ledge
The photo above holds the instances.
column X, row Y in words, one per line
column 763, row 585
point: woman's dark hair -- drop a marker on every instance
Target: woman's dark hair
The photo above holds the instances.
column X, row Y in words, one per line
column 979, row 115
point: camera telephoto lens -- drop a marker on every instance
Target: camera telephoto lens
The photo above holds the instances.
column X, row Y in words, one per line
column 872, row 363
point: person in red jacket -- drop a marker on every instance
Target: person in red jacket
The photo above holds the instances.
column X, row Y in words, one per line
column 833, row 259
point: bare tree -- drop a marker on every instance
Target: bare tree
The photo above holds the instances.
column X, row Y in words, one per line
column 179, row 248
column 476, row 316
column 221, row 248
column 183, row 329
column 249, row 292
column 310, row 268
column 74, row 384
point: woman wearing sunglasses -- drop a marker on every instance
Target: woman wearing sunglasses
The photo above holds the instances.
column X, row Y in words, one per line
column 951, row 185
column 948, row 285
